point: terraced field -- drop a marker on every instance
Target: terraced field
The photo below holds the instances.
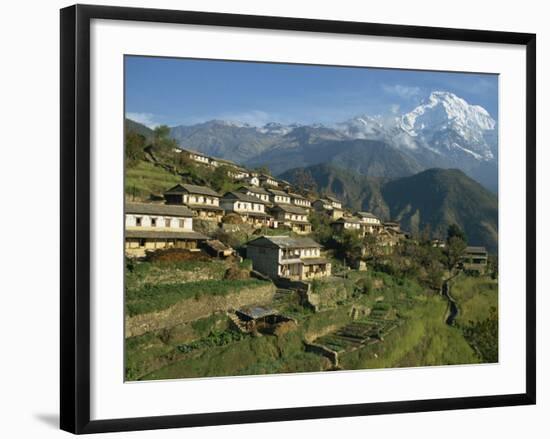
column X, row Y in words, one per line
column 357, row 334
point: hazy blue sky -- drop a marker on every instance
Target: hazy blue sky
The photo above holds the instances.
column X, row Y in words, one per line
column 177, row 91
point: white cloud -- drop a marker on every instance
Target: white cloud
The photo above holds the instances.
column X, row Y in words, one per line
column 147, row 119
column 253, row 117
column 394, row 109
column 403, row 91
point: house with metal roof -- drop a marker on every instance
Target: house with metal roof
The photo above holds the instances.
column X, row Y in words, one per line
column 250, row 208
column 157, row 226
column 204, row 201
column 261, row 318
column 288, row 257
column 292, row 216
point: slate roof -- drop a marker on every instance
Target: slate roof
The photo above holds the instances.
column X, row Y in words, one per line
column 280, row 193
column 158, row 209
column 324, row 202
column 333, row 199
column 192, row 189
column 366, row 215
column 346, row 220
column 297, row 196
column 284, row 242
column 256, row 190
column 243, row 197
column 290, row 209
column 473, row 249
column 256, row 312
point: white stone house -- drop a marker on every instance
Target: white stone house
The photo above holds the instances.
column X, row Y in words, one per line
column 322, row 205
column 268, row 180
column 238, row 173
column 156, row 226
column 197, row 156
column 204, row 201
column 250, row 208
column 475, row 258
column 257, row 192
column 286, row 257
column 370, row 223
column 251, row 180
column 292, row 216
column 299, row 200
column 327, row 207
column 335, row 202
column 278, row 197
column 347, row 223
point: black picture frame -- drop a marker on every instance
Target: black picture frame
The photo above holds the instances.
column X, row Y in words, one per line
column 75, row 217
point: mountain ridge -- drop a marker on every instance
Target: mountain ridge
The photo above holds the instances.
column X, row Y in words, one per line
column 434, row 198
column 443, row 131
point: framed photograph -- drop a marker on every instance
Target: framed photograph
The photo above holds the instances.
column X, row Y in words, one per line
column 274, row 218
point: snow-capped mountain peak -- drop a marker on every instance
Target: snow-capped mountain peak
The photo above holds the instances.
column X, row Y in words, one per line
column 276, row 128
column 445, row 109
column 444, row 124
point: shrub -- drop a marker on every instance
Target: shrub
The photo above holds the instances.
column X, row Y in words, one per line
column 232, row 218
column 235, row 273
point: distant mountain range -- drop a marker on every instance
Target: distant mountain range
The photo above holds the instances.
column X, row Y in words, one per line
column 433, row 166
column 434, row 198
column 369, row 175
column 444, row 131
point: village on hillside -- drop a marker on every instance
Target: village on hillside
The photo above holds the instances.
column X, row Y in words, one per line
column 270, row 277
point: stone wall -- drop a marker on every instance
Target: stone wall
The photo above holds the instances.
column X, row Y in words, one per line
column 324, row 351
column 192, row 309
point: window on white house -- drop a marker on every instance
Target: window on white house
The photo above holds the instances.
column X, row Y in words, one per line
column 138, row 221
column 182, row 223
column 153, row 222
column 167, row 222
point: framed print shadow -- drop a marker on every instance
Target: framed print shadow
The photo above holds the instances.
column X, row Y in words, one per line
column 274, row 218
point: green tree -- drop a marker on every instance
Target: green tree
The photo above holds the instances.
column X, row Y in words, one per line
column 320, row 224
column 304, row 180
column 134, row 146
column 483, row 337
column 220, row 180
column 349, row 246
column 263, row 170
column 162, row 142
column 426, row 234
column 454, row 251
column 434, row 274
column 373, row 249
column 454, row 231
